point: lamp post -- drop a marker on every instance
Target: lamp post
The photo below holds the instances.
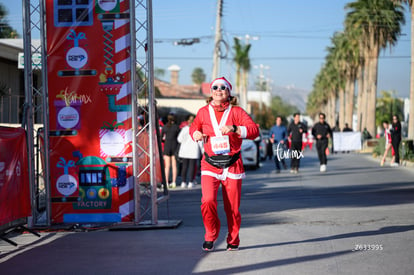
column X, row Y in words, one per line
column 262, row 81
column 247, row 38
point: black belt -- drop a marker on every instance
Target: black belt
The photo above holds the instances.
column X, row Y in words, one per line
column 222, row 161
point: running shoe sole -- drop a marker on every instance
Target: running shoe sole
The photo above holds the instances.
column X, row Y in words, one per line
column 232, row 247
column 208, row 246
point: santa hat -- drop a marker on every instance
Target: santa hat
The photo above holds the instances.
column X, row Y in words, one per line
column 221, row 81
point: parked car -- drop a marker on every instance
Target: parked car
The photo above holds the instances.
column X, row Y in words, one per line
column 249, row 154
column 264, row 144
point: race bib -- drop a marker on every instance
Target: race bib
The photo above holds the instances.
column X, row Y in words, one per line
column 220, row 145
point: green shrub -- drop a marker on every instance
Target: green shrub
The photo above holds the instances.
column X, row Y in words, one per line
column 406, row 149
column 380, row 148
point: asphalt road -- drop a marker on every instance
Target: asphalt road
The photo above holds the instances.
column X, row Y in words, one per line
column 357, row 218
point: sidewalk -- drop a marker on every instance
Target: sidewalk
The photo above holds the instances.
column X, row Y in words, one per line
column 355, row 219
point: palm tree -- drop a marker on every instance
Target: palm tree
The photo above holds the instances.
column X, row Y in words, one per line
column 6, row 31
column 411, row 118
column 315, row 98
column 242, row 60
column 323, row 97
column 334, row 84
column 338, row 60
column 198, row 76
column 380, row 24
column 158, row 72
column 350, row 47
column 355, row 35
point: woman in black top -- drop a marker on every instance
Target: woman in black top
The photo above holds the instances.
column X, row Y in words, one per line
column 396, row 139
column 169, row 135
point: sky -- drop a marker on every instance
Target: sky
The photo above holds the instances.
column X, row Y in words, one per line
column 288, row 39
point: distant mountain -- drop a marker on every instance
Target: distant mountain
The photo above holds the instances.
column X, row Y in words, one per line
column 292, row 95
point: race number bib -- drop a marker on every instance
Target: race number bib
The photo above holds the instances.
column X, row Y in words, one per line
column 220, row 145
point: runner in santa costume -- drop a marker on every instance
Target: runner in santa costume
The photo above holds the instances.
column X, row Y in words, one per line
column 221, row 126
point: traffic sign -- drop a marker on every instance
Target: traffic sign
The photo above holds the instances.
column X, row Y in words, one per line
column 36, row 61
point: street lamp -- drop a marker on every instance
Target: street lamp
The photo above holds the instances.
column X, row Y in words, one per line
column 261, row 81
column 247, row 38
column 261, row 76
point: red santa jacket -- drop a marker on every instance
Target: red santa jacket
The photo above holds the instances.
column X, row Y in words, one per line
column 235, row 116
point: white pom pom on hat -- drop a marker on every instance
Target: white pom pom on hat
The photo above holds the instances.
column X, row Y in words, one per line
column 222, row 81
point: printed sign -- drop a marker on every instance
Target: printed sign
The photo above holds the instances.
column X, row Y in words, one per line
column 220, row 145
column 89, row 74
column 14, row 179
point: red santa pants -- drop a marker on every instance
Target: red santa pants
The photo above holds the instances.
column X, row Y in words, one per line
column 231, row 190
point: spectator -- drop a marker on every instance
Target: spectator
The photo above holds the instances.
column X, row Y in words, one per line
column 347, row 128
column 189, row 153
column 365, row 134
column 169, row 135
column 396, row 139
column 388, row 145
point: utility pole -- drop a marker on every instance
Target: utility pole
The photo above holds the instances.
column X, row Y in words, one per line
column 216, row 55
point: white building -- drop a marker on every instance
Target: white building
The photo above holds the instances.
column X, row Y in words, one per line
column 406, row 109
column 262, row 97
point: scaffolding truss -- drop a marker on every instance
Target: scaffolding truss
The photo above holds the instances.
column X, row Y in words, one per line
column 146, row 197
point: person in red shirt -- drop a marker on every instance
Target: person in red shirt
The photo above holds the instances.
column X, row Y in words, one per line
column 222, row 126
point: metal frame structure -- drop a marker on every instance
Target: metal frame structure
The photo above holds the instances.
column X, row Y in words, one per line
column 36, row 110
column 146, row 197
column 146, row 205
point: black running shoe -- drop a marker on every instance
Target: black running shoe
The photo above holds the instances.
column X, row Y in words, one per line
column 208, row 246
column 231, row 247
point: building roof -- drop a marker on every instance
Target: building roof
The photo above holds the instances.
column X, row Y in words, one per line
column 178, row 91
column 10, row 48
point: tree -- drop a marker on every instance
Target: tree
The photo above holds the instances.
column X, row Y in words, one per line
column 333, row 83
column 242, row 60
column 337, row 60
column 261, row 85
column 262, row 115
column 159, row 72
column 198, row 76
column 411, row 117
column 322, row 98
column 326, row 88
column 6, row 31
column 351, row 55
column 379, row 23
column 265, row 116
column 387, row 106
column 142, row 80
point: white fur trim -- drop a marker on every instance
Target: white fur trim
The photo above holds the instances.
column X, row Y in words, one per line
column 220, row 176
column 243, row 131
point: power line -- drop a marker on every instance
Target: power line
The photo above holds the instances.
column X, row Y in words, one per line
column 272, row 57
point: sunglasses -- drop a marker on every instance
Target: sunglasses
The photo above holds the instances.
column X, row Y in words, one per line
column 223, row 88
